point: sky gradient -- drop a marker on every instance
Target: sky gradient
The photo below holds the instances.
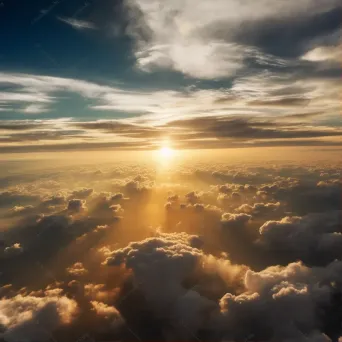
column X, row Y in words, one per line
column 170, row 171
column 130, row 74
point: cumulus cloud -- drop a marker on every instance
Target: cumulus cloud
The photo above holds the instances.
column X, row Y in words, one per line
column 314, row 238
column 234, row 255
column 105, row 310
column 82, row 193
column 33, row 318
column 280, row 302
column 160, row 265
column 261, row 209
column 235, row 220
column 76, row 205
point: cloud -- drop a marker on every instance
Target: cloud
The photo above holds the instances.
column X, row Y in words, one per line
column 13, row 250
column 33, row 318
column 20, row 125
column 76, row 205
column 236, row 269
column 324, row 54
column 260, row 209
column 279, row 302
column 105, row 310
column 305, row 237
column 160, row 265
column 219, row 40
column 247, row 128
column 81, row 193
column 77, row 269
column 265, row 105
column 235, row 220
column 78, row 24
column 35, row 109
column 199, row 132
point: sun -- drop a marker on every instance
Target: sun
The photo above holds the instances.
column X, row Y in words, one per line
column 166, row 152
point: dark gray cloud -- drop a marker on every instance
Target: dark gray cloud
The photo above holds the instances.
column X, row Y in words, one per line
column 287, row 37
column 125, row 129
column 315, row 238
column 133, row 146
column 76, row 205
column 19, row 126
column 286, row 102
column 40, row 135
column 198, row 132
column 242, row 128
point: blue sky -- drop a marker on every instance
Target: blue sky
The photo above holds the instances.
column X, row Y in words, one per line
column 202, row 74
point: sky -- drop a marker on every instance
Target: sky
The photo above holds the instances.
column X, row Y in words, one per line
column 132, row 74
column 170, row 171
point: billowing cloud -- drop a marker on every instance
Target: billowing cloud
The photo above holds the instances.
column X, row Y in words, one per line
column 314, row 238
column 220, row 39
column 33, row 318
column 232, row 255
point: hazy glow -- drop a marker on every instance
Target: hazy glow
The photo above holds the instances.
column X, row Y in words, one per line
column 166, row 152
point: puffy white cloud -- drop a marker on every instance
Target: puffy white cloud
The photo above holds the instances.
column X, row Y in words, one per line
column 161, row 264
column 186, row 283
column 281, row 303
column 29, row 318
column 260, row 209
column 105, row 310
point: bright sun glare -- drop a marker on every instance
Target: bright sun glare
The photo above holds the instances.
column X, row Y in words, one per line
column 166, row 152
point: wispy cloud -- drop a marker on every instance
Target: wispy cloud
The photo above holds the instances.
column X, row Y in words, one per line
column 263, row 94
column 35, row 109
column 202, row 132
column 324, row 54
column 78, row 24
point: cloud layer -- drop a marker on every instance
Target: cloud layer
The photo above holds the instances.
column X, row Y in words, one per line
column 198, row 251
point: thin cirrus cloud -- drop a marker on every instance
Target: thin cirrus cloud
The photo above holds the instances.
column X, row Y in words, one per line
column 247, row 95
column 78, row 24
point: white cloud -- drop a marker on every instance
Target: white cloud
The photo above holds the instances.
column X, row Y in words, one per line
column 324, row 54
column 39, row 93
column 182, row 33
column 78, row 24
column 35, row 109
column 20, row 314
column 38, row 97
column 194, row 59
